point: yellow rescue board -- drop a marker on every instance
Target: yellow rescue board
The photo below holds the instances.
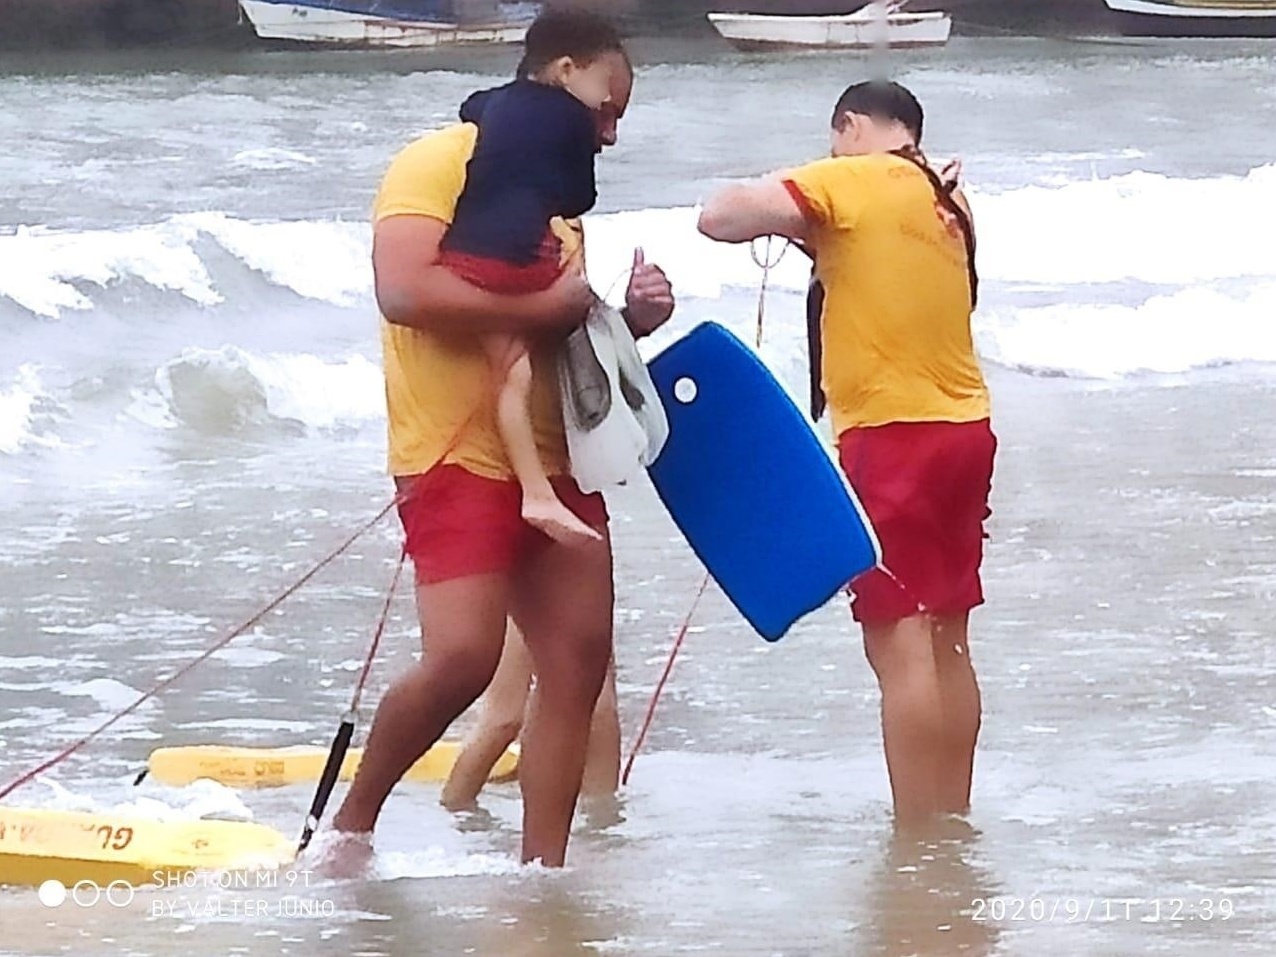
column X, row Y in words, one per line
column 278, row 767
column 38, row 845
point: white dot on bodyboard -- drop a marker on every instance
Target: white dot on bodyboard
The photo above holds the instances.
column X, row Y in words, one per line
column 684, row 390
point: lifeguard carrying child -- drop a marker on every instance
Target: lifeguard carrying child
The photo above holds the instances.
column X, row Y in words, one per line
column 533, row 162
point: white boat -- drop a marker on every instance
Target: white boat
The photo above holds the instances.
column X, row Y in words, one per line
column 872, row 27
column 370, row 23
column 1196, row 18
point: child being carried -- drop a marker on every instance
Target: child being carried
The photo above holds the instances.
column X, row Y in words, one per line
column 533, row 162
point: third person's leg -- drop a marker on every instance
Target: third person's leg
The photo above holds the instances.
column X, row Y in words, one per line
column 500, row 719
column 462, row 627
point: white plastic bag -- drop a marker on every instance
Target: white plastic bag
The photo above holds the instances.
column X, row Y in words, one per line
column 615, row 423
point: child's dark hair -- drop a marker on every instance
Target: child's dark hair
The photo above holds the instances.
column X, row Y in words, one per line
column 578, row 34
column 881, row 100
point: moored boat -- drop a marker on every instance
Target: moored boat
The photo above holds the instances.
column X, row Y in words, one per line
column 384, row 23
column 874, row 26
column 1195, row 18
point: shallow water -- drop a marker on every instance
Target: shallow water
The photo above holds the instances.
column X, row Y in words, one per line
column 191, row 415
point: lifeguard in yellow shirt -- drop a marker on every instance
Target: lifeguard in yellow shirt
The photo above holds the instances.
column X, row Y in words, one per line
column 894, row 246
column 478, row 562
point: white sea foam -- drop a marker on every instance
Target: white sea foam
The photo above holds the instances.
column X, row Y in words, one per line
column 229, row 388
column 18, row 402
column 1093, row 247
column 199, row 799
column 1140, row 226
column 1174, row 332
column 48, row 271
column 110, row 694
column 327, row 261
column 272, row 158
column 42, row 270
column 435, row 862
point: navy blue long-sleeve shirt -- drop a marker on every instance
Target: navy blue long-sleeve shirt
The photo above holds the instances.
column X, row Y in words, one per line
column 534, row 160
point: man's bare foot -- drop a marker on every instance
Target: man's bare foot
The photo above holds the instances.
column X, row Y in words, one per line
column 339, row 855
column 557, row 521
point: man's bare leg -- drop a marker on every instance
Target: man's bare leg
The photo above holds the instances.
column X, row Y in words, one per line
column 563, row 604
column 500, row 720
column 602, row 763
column 959, row 691
column 902, row 655
column 462, row 630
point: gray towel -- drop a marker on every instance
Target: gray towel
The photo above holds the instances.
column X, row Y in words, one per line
column 588, row 389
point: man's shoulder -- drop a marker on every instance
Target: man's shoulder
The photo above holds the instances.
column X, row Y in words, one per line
column 438, row 146
column 854, row 180
column 869, row 164
column 426, row 177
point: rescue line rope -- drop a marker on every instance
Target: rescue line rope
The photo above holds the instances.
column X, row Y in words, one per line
column 766, row 264
column 399, row 498
column 345, row 731
column 664, row 677
column 251, row 622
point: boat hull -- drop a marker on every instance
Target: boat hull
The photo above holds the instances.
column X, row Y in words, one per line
column 1159, row 18
column 297, row 23
column 832, row 33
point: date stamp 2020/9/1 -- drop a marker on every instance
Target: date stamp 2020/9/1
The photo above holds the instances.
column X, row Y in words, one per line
column 1079, row 910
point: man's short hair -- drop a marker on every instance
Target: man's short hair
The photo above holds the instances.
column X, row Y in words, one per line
column 578, row 34
column 881, row 100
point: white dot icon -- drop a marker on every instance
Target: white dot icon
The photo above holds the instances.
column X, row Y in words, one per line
column 52, row 893
column 685, row 390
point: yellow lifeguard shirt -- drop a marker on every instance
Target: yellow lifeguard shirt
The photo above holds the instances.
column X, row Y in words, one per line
column 441, row 391
column 897, row 344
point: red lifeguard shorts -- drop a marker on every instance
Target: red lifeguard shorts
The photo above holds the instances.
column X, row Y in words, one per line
column 925, row 486
column 460, row 524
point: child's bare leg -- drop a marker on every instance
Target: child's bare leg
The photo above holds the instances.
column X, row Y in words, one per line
column 499, row 723
column 541, row 507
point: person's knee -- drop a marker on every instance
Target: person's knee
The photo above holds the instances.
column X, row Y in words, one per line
column 951, row 646
column 505, row 730
column 900, row 652
column 577, row 669
column 518, row 375
column 503, row 713
column 463, row 672
column 589, row 669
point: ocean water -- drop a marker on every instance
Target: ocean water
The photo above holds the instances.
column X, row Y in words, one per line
column 191, row 414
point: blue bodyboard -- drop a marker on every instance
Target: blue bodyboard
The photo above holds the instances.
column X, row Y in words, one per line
column 745, row 478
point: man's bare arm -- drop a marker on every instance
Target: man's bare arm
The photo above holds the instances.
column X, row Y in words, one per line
column 745, row 211
column 413, row 290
